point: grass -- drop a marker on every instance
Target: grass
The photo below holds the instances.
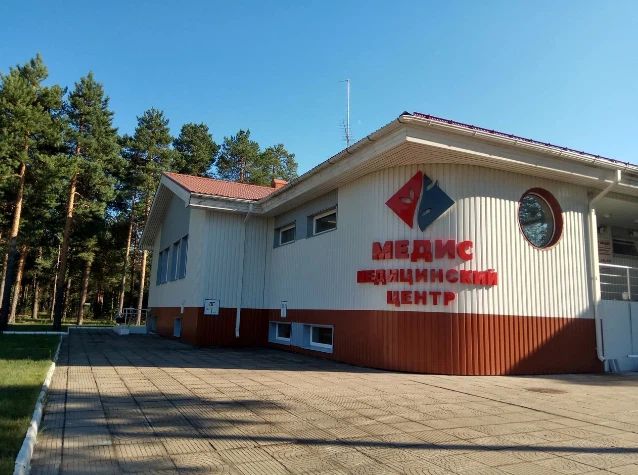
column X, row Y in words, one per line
column 24, row 362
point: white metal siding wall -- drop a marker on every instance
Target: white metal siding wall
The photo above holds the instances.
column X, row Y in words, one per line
column 152, row 287
column 175, row 223
column 222, row 278
column 320, row 272
column 178, row 222
column 258, row 243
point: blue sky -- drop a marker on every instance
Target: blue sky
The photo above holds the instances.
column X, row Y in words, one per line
column 558, row 71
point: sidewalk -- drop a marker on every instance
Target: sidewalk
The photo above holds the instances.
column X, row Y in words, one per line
column 145, row 404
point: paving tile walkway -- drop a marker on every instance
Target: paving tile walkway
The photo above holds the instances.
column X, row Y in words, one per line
column 145, row 404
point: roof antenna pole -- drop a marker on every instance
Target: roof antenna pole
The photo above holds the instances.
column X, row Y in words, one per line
column 348, row 113
column 346, row 126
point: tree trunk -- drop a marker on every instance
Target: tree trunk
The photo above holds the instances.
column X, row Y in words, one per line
column 4, row 275
column 140, row 298
column 55, row 284
column 120, row 305
column 133, row 266
column 13, row 247
column 36, row 298
column 64, row 255
column 85, row 289
column 18, row 285
column 36, row 286
column 65, row 299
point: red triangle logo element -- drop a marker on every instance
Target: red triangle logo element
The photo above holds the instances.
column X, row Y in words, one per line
column 405, row 201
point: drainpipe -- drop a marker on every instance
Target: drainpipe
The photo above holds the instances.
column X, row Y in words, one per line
column 241, row 271
column 595, row 268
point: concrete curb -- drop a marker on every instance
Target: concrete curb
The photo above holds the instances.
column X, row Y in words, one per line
column 23, row 460
column 10, row 332
column 47, row 332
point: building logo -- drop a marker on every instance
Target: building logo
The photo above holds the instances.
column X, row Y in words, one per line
column 420, row 191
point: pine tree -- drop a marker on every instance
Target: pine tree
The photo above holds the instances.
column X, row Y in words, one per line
column 278, row 163
column 28, row 120
column 93, row 158
column 195, row 150
column 150, row 155
column 42, row 214
column 238, row 159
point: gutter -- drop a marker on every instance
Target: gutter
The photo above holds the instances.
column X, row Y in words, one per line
column 241, row 271
column 594, row 264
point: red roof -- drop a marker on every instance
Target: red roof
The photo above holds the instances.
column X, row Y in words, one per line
column 214, row 187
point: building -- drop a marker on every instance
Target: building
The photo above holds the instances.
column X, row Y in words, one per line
column 429, row 246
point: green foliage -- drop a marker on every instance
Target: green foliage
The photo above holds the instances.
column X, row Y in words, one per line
column 240, row 159
column 94, row 159
column 30, row 126
column 196, row 150
column 279, row 162
column 149, row 152
column 28, row 115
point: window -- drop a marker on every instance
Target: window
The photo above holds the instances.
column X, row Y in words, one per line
column 172, row 269
column 162, row 264
column 287, row 234
column 540, row 218
column 324, row 222
column 171, row 263
column 283, row 331
column 628, row 248
column 160, row 259
column 321, row 336
column 183, row 255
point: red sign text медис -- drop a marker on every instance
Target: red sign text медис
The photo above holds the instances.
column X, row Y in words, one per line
column 422, row 250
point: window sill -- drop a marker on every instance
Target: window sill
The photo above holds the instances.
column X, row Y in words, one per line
column 320, row 347
column 324, row 232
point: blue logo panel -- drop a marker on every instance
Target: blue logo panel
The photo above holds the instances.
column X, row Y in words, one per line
column 434, row 202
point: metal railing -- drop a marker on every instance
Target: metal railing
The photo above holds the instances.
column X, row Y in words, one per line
column 129, row 316
column 618, row 282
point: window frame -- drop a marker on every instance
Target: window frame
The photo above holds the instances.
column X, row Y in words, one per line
column 173, row 264
column 323, row 215
column 322, row 345
column 163, row 265
column 286, row 228
column 556, row 212
column 182, row 258
column 158, row 276
column 279, row 338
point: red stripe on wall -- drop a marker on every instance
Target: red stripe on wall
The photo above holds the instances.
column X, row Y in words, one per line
column 420, row 342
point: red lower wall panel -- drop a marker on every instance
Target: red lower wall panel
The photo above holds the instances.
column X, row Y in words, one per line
column 419, row 342
column 201, row 330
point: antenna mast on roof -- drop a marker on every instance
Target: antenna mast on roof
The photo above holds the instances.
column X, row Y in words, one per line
column 346, row 125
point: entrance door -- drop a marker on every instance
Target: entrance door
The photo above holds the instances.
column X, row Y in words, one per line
column 177, row 327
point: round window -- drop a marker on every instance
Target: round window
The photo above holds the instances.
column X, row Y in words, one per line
column 540, row 218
